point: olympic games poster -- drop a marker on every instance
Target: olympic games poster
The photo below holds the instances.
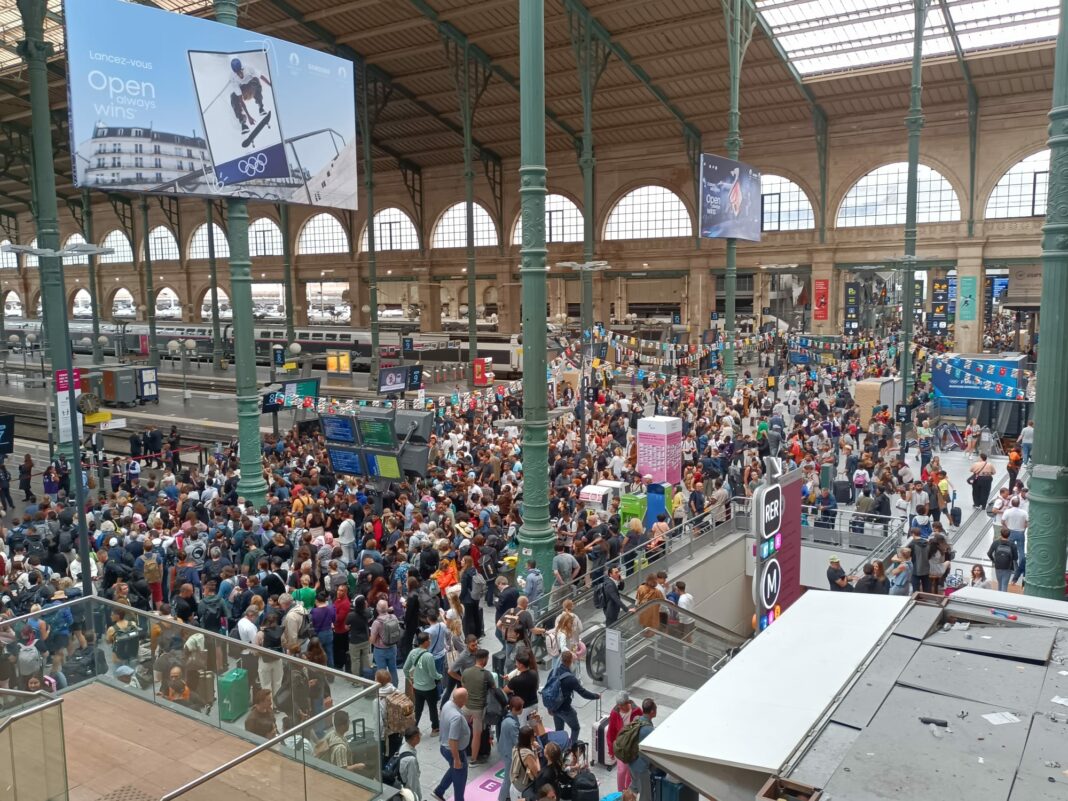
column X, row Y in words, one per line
column 730, row 199
column 168, row 103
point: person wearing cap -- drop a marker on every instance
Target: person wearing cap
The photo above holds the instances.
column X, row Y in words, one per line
column 836, row 577
column 622, row 713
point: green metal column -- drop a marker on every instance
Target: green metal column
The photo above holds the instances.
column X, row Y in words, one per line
column 536, row 537
column 914, row 124
column 213, row 283
column 150, row 289
column 36, row 51
column 287, row 273
column 87, row 232
column 1047, row 540
column 471, row 76
column 591, row 55
column 373, row 97
column 740, row 19
column 252, row 485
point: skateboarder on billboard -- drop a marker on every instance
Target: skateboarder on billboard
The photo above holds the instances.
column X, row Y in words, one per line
column 246, row 83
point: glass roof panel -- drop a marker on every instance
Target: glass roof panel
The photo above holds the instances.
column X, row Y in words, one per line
column 11, row 27
column 828, row 36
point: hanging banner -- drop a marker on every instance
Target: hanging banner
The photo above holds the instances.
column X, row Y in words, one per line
column 968, row 299
column 822, row 295
column 174, row 104
column 730, row 199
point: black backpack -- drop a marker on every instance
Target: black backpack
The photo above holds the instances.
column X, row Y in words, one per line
column 1003, row 555
column 391, row 770
column 584, row 787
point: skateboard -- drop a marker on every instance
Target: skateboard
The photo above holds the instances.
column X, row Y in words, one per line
column 264, row 120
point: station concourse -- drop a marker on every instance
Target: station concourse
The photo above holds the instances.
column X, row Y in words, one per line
column 278, row 399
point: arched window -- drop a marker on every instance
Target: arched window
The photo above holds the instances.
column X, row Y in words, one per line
column 82, row 306
column 168, row 306
column 122, row 305
column 118, row 242
column 12, row 304
column 8, row 261
column 322, row 234
column 162, row 245
column 879, row 198
column 75, row 239
column 264, row 238
column 451, row 230
column 563, row 221
column 225, row 311
column 648, row 212
column 198, row 245
column 1021, row 192
column 784, row 206
column 394, row 230
column 31, row 260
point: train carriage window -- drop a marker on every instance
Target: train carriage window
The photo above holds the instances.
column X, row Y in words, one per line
column 317, row 335
column 264, row 334
column 345, row 338
column 331, row 337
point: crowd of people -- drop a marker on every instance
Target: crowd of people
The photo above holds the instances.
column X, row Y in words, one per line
column 419, row 586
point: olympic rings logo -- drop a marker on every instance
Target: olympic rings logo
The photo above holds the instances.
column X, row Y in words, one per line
column 254, row 165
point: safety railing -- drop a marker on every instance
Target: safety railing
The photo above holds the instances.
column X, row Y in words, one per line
column 33, row 763
column 322, row 757
column 637, row 561
column 678, row 634
column 840, row 528
column 206, row 676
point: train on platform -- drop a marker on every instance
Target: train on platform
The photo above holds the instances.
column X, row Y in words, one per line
column 130, row 340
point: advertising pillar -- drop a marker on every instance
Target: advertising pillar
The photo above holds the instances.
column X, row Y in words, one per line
column 660, row 449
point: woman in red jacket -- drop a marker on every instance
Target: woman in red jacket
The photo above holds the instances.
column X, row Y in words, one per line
column 622, row 713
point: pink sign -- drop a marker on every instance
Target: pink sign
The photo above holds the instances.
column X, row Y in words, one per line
column 61, row 380
column 660, row 449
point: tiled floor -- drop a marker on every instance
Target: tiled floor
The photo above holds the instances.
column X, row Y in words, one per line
column 120, row 748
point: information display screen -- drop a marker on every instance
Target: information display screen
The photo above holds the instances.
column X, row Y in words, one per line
column 415, row 376
column 345, row 461
column 383, row 465
column 376, row 433
column 338, row 429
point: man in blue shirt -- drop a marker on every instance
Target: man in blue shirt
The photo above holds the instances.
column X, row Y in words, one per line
column 507, row 739
column 453, row 741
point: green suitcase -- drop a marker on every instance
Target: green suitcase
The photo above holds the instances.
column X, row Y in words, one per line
column 233, row 694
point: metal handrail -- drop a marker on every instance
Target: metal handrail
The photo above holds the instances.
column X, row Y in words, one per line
column 259, row 749
column 139, row 613
column 23, row 693
column 25, row 713
column 689, row 529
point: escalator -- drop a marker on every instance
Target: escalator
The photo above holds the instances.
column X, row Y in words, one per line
column 656, row 644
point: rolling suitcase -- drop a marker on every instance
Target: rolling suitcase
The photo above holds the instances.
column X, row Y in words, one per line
column 498, row 663
column 203, row 685
column 600, row 737
column 843, row 491
column 955, row 516
column 233, row 694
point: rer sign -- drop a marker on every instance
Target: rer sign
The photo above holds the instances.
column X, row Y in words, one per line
column 777, row 532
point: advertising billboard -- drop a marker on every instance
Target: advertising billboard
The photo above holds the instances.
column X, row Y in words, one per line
column 172, row 104
column 660, row 448
column 822, row 293
column 730, row 199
